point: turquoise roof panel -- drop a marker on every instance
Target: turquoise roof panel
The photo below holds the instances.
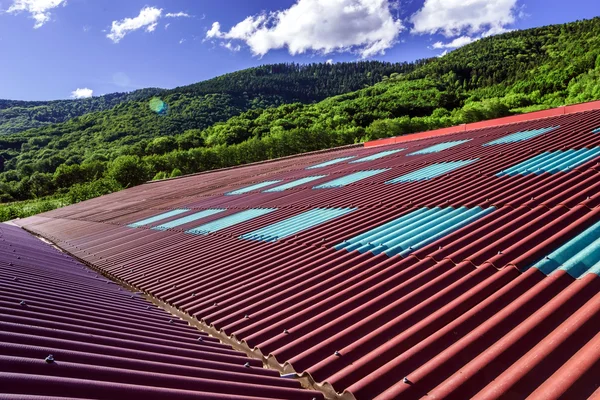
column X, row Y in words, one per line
column 252, row 188
column 520, row 136
column 230, row 220
column 552, row 162
column 331, row 162
column 295, row 224
column 597, row 130
column 377, row 156
column 348, row 179
column 431, row 171
column 578, row 257
column 188, row 219
column 158, row 217
column 294, row 184
column 413, row 230
column 439, row 147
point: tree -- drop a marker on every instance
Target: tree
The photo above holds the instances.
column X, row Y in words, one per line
column 128, row 171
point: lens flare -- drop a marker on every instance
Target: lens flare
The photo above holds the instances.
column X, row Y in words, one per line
column 158, row 106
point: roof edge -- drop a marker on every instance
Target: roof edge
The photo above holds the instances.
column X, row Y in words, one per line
column 552, row 112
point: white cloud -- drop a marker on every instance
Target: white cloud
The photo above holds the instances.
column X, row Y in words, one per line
column 458, row 42
column 453, row 17
column 148, row 19
column 366, row 27
column 329, row 62
column 181, row 41
column 39, row 9
column 82, row 93
column 442, row 54
column 230, row 46
column 167, row 26
column 179, row 14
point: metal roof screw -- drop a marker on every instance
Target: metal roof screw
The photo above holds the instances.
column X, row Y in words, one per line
column 215, row 304
column 170, row 321
column 286, row 331
column 15, row 279
column 547, row 258
column 22, row 303
column 246, row 316
column 247, row 365
column 405, row 380
column 200, row 339
column 500, row 252
column 337, row 353
column 148, row 308
column 439, row 248
column 49, row 359
column 193, row 294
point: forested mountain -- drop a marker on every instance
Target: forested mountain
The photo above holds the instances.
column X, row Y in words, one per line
column 17, row 116
column 493, row 77
column 233, row 93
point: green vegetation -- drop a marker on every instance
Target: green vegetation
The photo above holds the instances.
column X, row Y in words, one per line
column 497, row 76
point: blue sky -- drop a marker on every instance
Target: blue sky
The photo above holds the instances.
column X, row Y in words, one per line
column 51, row 48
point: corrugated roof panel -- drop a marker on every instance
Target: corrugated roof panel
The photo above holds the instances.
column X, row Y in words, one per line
column 377, row 156
column 157, row 218
column 431, row 171
column 414, row 230
column 462, row 316
column 295, row 224
column 298, row 182
column 554, row 161
column 230, row 220
column 331, row 162
column 252, row 188
column 436, row 148
column 188, row 219
column 65, row 332
column 520, row 136
column 348, row 179
column 578, row 257
column 597, row 130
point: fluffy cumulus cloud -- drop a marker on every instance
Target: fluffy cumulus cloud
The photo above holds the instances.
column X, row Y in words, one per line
column 82, row 93
column 454, row 44
column 38, row 9
column 454, row 17
column 147, row 19
column 366, row 27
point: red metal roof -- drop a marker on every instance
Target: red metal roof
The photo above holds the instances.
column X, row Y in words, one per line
column 68, row 332
column 459, row 312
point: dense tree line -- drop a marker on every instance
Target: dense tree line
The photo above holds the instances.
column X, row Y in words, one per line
column 494, row 77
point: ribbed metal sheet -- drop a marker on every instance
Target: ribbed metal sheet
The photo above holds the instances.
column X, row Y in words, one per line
column 348, row 179
column 68, row 332
column 436, row 148
column 229, row 221
column 377, row 156
column 431, row 171
column 293, row 184
column 468, row 312
column 520, row 136
column 157, row 218
column 187, row 219
column 555, row 161
column 252, row 188
column 330, row 162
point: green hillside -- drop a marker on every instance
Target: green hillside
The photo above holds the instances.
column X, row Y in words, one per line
column 497, row 76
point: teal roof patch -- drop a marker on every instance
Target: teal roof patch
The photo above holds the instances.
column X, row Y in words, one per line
column 187, row 219
column 158, row 217
column 520, row 136
column 294, row 184
column 552, row 162
column 331, row 162
column 431, row 171
column 348, row 179
column 413, row 230
column 439, row 147
column 295, row 224
column 252, row 188
column 230, row 220
column 578, row 257
column 377, row 156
